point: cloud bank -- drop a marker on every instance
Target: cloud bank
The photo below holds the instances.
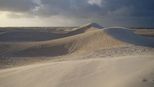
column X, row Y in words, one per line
column 106, row 12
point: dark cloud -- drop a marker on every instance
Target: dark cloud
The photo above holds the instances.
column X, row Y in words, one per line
column 136, row 8
column 17, row 5
column 135, row 12
column 76, row 8
column 83, row 8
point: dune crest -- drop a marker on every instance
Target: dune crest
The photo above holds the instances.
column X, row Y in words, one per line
column 86, row 38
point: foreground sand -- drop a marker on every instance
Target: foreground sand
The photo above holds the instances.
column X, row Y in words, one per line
column 128, row 71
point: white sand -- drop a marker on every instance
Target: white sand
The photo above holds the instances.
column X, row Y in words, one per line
column 130, row 71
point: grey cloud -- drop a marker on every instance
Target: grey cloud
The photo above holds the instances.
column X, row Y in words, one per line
column 134, row 12
column 75, row 8
column 17, row 5
column 136, row 8
column 84, row 8
column 81, row 8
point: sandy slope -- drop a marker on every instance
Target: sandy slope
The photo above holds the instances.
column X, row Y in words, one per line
column 99, row 71
column 128, row 36
column 130, row 71
column 90, row 38
column 83, row 39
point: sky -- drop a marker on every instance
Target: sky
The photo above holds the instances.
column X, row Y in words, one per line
column 125, row 13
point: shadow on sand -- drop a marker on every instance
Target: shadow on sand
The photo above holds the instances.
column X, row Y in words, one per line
column 128, row 36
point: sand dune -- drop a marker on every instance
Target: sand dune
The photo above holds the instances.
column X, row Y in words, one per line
column 40, row 35
column 128, row 36
column 145, row 32
column 132, row 71
column 82, row 43
column 80, row 39
column 27, row 36
column 84, row 39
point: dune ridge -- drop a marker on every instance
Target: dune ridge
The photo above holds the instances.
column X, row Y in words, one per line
column 92, row 38
column 85, row 38
column 80, row 41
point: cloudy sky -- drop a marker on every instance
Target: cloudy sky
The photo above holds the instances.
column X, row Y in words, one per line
column 76, row 12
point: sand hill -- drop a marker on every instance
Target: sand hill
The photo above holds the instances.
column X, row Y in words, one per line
column 123, row 71
column 128, row 36
column 88, row 37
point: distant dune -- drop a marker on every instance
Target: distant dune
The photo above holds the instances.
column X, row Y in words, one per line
column 86, row 38
column 145, row 32
column 128, row 36
column 87, row 56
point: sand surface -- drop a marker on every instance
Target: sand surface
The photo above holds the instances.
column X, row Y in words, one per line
column 128, row 71
column 87, row 56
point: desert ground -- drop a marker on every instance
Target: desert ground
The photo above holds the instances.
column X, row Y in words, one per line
column 86, row 56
